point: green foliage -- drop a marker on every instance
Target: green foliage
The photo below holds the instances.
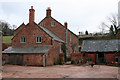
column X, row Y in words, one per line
column 69, row 59
column 5, row 27
column 72, row 62
column 61, row 61
column 56, row 61
column 7, row 40
column 63, row 47
column 86, row 32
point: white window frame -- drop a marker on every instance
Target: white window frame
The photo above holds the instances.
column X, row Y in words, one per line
column 21, row 39
column 36, row 39
column 42, row 24
column 52, row 24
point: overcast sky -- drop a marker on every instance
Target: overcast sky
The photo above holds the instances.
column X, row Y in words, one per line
column 81, row 15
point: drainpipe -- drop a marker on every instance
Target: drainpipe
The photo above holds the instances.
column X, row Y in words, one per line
column 60, row 47
column 44, row 64
column 66, row 42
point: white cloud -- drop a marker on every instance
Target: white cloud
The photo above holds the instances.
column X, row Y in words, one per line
column 81, row 15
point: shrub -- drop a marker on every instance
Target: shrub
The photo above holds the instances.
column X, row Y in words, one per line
column 55, row 61
column 61, row 61
column 72, row 62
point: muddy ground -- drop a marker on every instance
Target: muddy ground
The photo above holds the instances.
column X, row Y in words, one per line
column 60, row 71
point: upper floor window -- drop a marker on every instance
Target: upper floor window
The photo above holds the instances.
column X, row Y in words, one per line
column 39, row 39
column 22, row 40
column 52, row 24
column 42, row 24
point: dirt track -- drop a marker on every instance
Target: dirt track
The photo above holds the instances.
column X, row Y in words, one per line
column 60, row 71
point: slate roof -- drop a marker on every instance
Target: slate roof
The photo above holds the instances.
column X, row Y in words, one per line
column 34, row 49
column 54, row 36
column 100, row 46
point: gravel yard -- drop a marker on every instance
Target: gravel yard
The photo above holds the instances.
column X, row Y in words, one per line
column 60, row 71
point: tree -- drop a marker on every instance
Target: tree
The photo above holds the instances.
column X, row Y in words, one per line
column 5, row 27
column 86, row 32
column 112, row 24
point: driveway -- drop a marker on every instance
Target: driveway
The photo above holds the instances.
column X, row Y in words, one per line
column 60, row 71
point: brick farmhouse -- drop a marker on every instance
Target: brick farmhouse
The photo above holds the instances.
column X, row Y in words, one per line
column 40, row 44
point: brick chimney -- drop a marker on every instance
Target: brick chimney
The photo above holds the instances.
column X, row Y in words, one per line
column 65, row 24
column 48, row 12
column 31, row 14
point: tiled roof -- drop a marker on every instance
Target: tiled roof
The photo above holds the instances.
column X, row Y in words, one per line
column 54, row 36
column 100, row 45
column 34, row 49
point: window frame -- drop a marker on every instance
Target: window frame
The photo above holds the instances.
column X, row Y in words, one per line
column 22, row 38
column 42, row 24
column 53, row 25
column 37, row 38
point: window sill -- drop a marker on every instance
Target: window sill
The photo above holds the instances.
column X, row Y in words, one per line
column 22, row 42
column 38, row 42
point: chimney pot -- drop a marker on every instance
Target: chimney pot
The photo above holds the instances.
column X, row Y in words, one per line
column 65, row 24
column 31, row 7
column 48, row 12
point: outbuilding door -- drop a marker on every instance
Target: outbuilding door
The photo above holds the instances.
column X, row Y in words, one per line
column 101, row 58
column 16, row 59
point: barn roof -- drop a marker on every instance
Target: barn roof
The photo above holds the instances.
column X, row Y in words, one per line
column 34, row 49
column 54, row 36
column 100, row 46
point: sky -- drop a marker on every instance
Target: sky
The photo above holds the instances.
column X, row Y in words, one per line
column 81, row 15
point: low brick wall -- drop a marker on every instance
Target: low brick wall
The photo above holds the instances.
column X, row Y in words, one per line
column 77, row 58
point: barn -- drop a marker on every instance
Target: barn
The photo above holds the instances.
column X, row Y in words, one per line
column 102, row 51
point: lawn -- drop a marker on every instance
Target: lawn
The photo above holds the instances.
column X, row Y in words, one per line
column 7, row 39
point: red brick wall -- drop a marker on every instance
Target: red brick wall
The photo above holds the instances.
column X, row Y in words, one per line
column 77, row 56
column 110, row 57
column 19, row 28
column 92, row 56
column 53, row 54
column 30, row 32
column 4, row 46
column 60, row 31
column 6, row 57
column 117, row 54
column 33, row 59
column 72, row 44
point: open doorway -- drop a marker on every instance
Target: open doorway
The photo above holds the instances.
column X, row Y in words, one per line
column 101, row 58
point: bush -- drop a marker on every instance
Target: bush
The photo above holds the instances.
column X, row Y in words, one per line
column 55, row 61
column 72, row 62
column 61, row 61
column 69, row 59
column 76, row 61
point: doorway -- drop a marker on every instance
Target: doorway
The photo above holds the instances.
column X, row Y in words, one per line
column 101, row 58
